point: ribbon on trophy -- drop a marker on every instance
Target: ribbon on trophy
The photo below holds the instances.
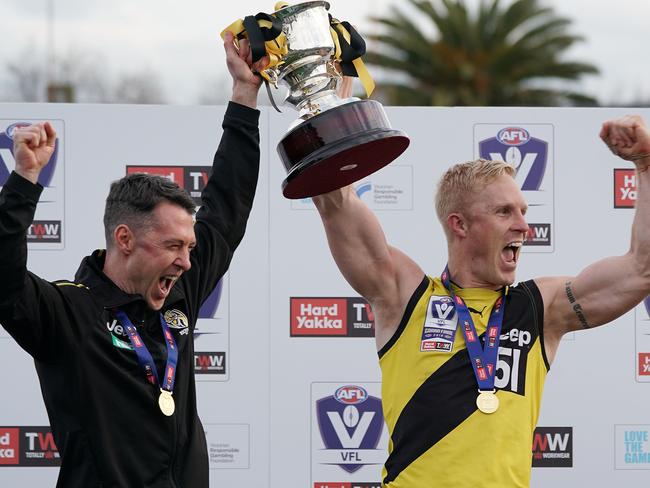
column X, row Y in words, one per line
column 350, row 46
column 264, row 33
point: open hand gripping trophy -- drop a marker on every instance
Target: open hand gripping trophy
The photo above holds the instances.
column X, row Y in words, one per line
column 334, row 142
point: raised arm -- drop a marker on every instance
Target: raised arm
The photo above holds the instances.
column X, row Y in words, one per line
column 382, row 274
column 27, row 302
column 228, row 195
column 610, row 287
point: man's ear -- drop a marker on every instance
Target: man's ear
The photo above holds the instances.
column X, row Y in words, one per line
column 124, row 239
column 457, row 224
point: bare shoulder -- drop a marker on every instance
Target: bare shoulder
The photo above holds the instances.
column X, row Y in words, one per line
column 389, row 307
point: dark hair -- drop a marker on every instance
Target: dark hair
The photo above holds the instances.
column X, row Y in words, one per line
column 131, row 200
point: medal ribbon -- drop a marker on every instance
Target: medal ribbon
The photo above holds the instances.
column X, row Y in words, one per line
column 145, row 360
column 484, row 358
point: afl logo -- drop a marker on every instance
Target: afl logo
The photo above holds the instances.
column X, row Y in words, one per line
column 351, row 395
column 12, row 128
column 513, row 136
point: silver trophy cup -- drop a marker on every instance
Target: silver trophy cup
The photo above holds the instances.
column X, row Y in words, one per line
column 334, row 142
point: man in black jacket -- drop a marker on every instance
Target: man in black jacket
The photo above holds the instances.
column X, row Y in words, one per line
column 113, row 348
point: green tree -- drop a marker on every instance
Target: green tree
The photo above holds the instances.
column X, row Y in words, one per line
column 495, row 55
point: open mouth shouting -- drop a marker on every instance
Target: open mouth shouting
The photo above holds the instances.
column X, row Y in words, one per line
column 510, row 252
column 165, row 283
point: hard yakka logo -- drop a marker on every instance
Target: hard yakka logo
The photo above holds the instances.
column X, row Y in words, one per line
column 331, row 316
column 192, row 178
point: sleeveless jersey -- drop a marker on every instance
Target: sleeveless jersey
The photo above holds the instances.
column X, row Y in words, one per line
column 438, row 437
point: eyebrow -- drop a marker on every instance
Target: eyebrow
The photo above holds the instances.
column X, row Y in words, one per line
column 497, row 206
column 179, row 241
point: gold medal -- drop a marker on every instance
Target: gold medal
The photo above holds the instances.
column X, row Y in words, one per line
column 166, row 403
column 487, row 402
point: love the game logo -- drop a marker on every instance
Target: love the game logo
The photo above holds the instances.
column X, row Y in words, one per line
column 350, row 423
column 515, row 146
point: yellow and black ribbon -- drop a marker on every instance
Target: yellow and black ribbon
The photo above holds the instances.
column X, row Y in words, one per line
column 264, row 32
column 349, row 47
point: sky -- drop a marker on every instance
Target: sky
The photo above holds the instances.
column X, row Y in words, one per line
column 179, row 40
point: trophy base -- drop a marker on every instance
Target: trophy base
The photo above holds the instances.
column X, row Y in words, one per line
column 338, row 147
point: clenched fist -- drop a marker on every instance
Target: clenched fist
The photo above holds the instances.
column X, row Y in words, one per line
column 33, row 147
column 628, row 138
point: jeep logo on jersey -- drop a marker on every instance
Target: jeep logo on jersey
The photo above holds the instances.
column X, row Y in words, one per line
column 177, row 320
column 8, row 163
column 515, row 146
column 350, row 423
column 115, row 328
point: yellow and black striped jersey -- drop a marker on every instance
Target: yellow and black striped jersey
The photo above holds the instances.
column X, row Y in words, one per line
column 438, row 437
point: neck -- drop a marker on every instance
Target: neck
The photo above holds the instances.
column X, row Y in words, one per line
column 463, row 275
column 115, row 270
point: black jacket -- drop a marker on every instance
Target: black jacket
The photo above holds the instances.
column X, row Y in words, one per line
column 104, row 415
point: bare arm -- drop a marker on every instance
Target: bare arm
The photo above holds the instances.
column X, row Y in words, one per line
column 607, row 289
column 382, row 274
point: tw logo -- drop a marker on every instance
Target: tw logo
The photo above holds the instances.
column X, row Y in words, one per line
column 537, row 232
column 550, row 442
column 363, row 311
column 44, row 231
column 210, row 362
column 41, row 441
column 553, row 447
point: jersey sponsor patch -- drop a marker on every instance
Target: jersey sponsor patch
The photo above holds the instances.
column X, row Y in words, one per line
column 121, row 344
column 439, row 328
column 177, row 320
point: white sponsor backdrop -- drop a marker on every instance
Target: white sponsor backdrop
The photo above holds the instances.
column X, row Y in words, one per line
column 261, row 414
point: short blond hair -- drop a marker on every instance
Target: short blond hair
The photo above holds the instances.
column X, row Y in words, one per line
column 461, row 181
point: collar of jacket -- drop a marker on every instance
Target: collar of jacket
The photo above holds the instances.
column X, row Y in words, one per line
column 91, row 274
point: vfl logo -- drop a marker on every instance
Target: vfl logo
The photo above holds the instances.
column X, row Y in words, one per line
column 8, row 163
column 211, row 304
column 350, row 424
column 443, row 309
column 177, row 320
column 515, row 146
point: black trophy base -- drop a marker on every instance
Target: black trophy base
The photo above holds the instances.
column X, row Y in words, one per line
column 338, row 147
